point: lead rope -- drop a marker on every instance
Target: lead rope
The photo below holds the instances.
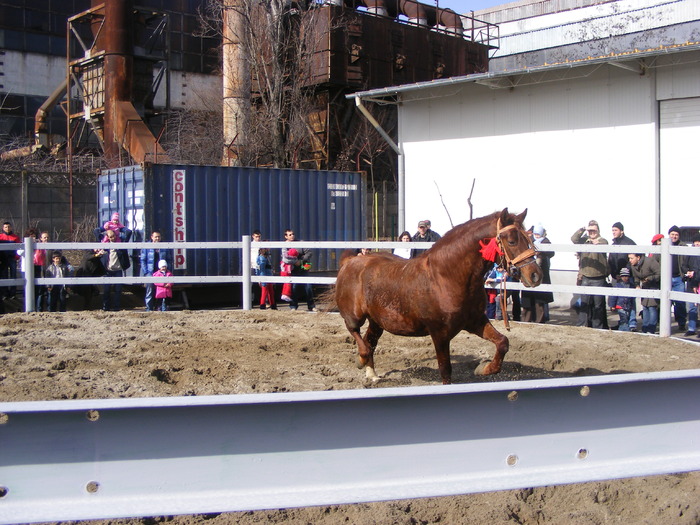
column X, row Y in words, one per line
column 504, row 303
column 504, row 263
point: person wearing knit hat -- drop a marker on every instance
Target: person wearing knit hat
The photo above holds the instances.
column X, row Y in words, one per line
column 535, row 305
column 679, row 267
column 618, row 261
column 115, row 225
column 592, row 271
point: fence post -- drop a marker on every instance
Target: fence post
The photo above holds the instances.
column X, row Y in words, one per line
column 246, row 284
column 29, row 302
column 665, row 300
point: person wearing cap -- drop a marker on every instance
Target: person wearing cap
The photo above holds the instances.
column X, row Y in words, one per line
column 592, row 271
column 536, row 304
column 623, row 306
column 617, row 261
column 679, row 267
column 424, row 234
column 164, row 291
column 149, row 264
column 693, row 283
column 656, row 241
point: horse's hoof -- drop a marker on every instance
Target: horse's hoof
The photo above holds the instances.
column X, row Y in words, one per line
column 481, row 369
column 359, row 363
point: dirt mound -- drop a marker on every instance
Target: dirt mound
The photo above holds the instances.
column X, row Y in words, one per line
column 79, row 355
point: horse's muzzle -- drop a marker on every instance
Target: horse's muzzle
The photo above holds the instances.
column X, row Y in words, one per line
column 529, row 273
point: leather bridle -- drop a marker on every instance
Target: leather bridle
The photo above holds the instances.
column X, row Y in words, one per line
column 513, row 264
column 521, row 260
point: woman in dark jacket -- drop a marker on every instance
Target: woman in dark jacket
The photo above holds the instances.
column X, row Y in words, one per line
column 536, row 304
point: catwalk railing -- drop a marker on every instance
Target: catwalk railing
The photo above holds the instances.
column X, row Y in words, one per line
column 665, row 294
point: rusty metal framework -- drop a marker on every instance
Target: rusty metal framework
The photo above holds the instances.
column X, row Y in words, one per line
column 86, row 103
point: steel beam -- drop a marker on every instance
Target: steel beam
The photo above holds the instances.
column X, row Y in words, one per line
column 90, row 459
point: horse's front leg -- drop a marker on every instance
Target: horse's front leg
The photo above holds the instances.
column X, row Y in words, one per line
column 366, row 358
column 489, row 333
column 442, row 352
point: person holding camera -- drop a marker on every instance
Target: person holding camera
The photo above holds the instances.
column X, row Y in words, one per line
column 593, row 270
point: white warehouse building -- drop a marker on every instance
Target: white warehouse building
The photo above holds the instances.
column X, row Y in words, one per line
column 613, row 137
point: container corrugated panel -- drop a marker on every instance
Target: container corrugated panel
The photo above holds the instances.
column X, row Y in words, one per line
column 216, row 204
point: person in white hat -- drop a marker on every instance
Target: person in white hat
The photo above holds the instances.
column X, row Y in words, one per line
column 164, row 291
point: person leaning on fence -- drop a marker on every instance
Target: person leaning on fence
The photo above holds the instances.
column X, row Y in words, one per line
column 592, row 271
column 692, row 279
column 646, row 273
column 424, row 234
column 116, row 262
column 622, row 305
column 10, row 271
column 679, row 267
column 267, row 291
column 404, row 253
column 40, row 262
column 149, row 265
column 255, row 238
column 617, row 261
column 301, row 268
column 59, row 268
column 536, row 304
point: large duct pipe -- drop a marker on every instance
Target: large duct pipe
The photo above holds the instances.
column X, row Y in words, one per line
column 236, row 82
column 118, row 44
column 451, row 20
column 416, row 12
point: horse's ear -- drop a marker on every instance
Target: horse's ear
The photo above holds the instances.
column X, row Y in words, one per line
column 505, row 216
column 521, row 218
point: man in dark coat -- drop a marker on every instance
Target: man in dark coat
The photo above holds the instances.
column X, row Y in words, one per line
column 618, row 261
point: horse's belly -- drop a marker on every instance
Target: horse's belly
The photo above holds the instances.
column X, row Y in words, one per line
column 398, row 323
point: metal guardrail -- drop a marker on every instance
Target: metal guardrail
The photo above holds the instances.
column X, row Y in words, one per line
column 664, row 294
column 97, row 459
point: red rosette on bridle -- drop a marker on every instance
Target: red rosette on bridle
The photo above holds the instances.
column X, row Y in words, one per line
column 490, row 249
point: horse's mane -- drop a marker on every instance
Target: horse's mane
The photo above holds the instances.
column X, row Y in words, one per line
column 464, row 236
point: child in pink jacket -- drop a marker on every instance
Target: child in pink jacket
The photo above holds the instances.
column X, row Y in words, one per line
column 164, row 291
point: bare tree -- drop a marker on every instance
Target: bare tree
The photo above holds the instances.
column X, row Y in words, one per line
column 279, row 41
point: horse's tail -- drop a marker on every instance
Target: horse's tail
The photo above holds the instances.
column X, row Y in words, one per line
column 326, row 301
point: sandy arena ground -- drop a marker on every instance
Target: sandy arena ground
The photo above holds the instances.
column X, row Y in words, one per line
column 77, row 355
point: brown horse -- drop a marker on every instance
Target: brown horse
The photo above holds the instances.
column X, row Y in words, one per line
column 439, row 293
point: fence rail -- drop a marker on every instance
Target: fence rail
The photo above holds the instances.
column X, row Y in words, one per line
column 665, row 294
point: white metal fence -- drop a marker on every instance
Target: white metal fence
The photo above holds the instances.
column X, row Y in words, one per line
column 96, row 459
column 665, row 294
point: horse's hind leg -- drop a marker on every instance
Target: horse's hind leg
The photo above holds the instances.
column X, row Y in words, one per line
column 489, row 333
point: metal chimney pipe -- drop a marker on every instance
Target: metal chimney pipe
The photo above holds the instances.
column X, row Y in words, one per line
column 236, row 82
column 118, row 44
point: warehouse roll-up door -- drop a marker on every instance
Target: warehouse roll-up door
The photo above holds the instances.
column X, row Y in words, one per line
column 679, row 155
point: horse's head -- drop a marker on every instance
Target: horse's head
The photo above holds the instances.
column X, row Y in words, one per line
column 518, row 250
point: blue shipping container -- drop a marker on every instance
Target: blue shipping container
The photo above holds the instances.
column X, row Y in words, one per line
column 219, row 204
